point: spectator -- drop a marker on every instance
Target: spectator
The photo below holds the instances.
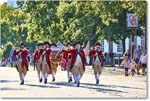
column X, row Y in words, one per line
column 132, row 66
column 136, row 56
column 128, row 54
column 13, row 57
column 111, row 55
column 143, row 60
column 126, row 64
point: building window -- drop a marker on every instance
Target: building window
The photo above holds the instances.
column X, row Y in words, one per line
column 120, row 46
column 143, row 42
column 102, row 45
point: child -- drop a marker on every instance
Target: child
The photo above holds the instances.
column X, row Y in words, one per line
column 143, row 60
column 132, row 67
column 63, row 64
column 126, row 64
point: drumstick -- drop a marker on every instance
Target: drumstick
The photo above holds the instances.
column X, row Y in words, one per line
column 58, row 53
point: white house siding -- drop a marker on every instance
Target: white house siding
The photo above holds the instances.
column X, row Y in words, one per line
column 114, row 48
column 127, row 43
column 106, row 46
column 138, row 40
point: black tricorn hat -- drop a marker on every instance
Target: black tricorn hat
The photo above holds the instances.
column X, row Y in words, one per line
column 53, row 44
column 97, row 43
column 22, row 44
column 69, row 43
column 39, row 44
column 46, row 42
column 78, row 42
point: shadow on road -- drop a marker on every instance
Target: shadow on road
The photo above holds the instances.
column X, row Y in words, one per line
column 6, row 81
column 42, row 86
column 63, row 84
column 8, row 88
column 99, row 88
column 112, row 86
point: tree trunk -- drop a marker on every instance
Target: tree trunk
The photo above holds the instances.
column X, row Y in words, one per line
column 92, row 38
column 110, row 46
column 123, row 44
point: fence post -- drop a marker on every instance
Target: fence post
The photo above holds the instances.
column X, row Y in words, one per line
column 119, row 61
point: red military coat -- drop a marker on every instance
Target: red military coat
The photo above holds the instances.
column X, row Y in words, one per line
column 23, row 54
column 36, row 56
column 66, row 54
column 93, row 53
column 74, row 56
column 48, row 53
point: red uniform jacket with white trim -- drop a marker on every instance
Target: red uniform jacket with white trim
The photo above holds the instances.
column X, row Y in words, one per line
column 66, row 54
column 23, row 55
column 48, row 53
column 36, row 56
column 74, row 53
column 93, row 52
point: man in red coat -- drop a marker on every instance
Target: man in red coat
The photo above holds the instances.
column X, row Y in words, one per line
column 38, row 60
column 78, row 61
column 46, row 64
column 97, row 61
column 22, row 63
column 67, row 56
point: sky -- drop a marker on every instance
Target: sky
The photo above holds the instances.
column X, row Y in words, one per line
column 2, row 1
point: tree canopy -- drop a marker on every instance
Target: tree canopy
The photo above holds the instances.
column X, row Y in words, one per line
column 64, row 21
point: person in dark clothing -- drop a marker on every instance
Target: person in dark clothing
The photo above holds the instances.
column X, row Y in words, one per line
column 111, row 55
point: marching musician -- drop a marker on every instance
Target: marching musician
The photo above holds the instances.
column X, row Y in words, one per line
column 46, row 64
column 38, row 60
column 22, row 62
column 78, row 61
column 97, row 61
column 67, row 56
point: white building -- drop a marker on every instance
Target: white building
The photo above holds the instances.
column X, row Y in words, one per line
column 118, row 48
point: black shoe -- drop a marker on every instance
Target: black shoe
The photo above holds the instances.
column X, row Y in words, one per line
column 143, row 74
column 22, row 83
column 78, row 84
column 45, row 82
column 40, row 80
column 70, row 80
column 97, row 81
column 53, row 79
column 138, row 73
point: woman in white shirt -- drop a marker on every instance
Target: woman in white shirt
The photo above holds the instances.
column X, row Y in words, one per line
column 143, row 60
